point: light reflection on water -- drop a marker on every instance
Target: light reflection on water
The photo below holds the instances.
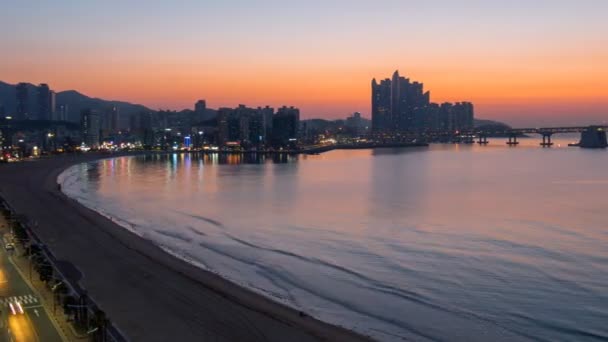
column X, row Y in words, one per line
column 453, row 242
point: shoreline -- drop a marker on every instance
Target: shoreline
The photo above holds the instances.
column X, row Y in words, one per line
column 148, row 293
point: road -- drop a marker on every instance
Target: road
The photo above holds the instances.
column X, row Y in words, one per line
column 34, row 324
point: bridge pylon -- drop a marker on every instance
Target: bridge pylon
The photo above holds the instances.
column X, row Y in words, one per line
column 512, row 139
column 482, row 139
column 546, row 139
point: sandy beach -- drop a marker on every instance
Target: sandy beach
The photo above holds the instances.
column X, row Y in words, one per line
column 149, row 294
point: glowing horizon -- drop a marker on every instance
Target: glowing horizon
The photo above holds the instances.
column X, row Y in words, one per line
column 518, row 62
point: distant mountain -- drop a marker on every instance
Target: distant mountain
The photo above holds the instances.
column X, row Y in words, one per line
column 76, row 102
column 490, row 123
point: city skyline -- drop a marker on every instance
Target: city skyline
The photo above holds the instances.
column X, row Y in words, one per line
column 519, row 63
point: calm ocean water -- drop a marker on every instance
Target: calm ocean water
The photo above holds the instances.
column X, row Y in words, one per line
column 451, row 242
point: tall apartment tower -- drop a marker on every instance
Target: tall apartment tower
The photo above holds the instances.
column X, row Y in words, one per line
column 52, row 104
column 200, row 111
column 397, row 104
column 90, row 124
column 61, row 113
column 22, row 96
column 44, row 102
column 114, row 120
column 381, row 105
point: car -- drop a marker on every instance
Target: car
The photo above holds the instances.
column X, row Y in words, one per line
column 16, row 308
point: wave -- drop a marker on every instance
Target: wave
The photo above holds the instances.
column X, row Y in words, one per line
column 388, row 302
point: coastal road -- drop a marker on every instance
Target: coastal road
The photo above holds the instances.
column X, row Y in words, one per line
column 34, row 324
column 149, row 294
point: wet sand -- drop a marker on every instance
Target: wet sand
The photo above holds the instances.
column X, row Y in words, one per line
column 149, row 294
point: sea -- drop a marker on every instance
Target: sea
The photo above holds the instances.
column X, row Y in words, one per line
column 450, row 242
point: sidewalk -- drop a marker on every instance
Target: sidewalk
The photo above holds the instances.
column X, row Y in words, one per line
column 45, row 295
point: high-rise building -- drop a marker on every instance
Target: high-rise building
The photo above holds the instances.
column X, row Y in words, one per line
column 228, row 126
column 23, row 98
column 381, row 106
column 401, row 106
column 285, row 127
column 463, row 117
column 114, row 120
column 267, row 113
column 200, row 111
column 243, row 115
column 355, row 124
column 52, row 105
column 43, row 102
column 61, row 113
column 256, row 129
column 90, row 127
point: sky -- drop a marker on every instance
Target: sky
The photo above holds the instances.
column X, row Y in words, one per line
column 532, row 62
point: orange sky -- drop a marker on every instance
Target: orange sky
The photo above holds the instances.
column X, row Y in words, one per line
column 517, row 64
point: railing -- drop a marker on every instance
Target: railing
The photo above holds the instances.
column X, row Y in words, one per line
column 106, row 332
column 487, row 132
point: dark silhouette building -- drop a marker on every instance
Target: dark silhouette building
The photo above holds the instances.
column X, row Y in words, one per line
column 61, row 113
column 200, row 111
column 402, row 106
column 381, row 106
column 285, row 124
column 114, row 119
column 257, row 128
column 229, row 126
column 267, row 113
column 22, row 97
column 45, row 102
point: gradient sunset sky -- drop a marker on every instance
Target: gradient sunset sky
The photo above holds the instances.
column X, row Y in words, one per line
column 533, row 62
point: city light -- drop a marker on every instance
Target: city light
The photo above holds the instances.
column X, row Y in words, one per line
column 19, row 307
